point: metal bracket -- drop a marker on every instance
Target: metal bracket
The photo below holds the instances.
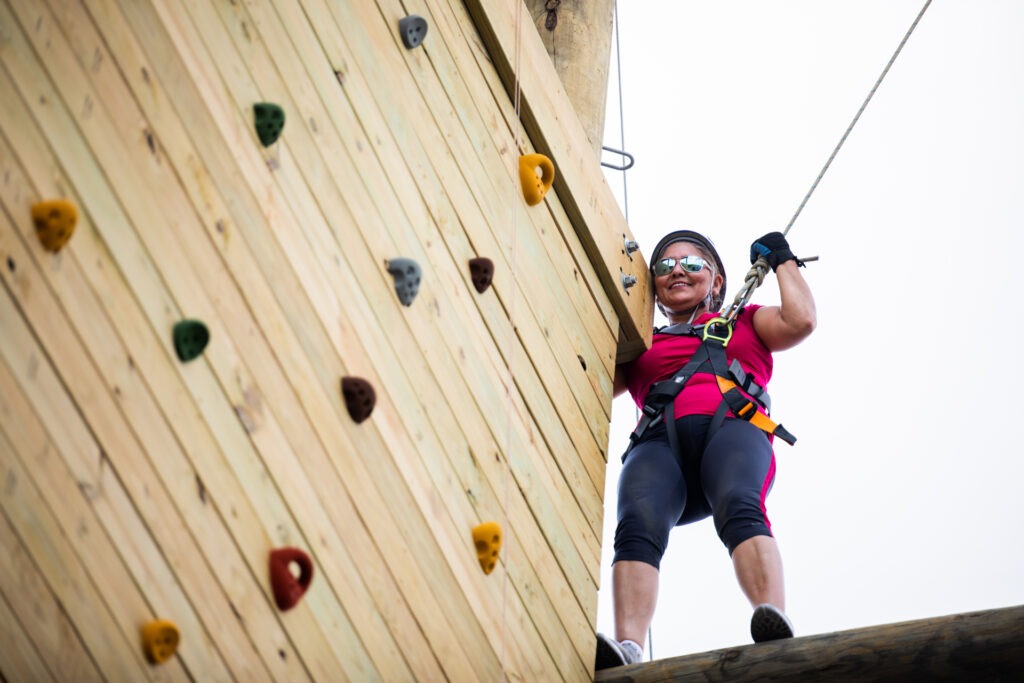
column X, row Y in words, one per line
column 625, row 155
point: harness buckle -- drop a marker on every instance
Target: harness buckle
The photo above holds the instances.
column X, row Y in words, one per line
column 711, row 330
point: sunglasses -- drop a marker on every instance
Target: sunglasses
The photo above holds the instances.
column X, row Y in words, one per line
column 691, row 264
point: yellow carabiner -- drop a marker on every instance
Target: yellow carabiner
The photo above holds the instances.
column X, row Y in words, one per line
column 714, row 322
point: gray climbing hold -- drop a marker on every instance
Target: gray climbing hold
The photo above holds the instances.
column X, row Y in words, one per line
column 406, row 273
column 413, row 29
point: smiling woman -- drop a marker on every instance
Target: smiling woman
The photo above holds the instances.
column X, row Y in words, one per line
column 700, row 449
column 700, row 272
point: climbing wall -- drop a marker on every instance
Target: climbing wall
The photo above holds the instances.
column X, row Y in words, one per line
column 296, row 381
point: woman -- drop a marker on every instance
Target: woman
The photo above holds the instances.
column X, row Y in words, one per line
column 722, row 466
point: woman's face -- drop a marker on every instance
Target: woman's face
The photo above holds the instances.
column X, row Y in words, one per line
column 681, row 291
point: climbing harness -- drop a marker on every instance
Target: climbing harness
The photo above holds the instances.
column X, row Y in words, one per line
column 741, row 395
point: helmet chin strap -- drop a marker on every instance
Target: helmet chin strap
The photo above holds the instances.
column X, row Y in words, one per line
column 704, row 303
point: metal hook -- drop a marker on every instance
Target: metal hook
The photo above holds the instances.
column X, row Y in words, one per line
column 626, row 155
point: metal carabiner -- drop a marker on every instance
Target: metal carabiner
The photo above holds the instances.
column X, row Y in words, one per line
column 714, row 322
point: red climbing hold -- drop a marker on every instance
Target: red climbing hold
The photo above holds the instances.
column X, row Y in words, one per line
column 288, row 588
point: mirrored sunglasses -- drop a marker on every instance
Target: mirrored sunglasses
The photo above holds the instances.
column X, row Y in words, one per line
column 691, row 264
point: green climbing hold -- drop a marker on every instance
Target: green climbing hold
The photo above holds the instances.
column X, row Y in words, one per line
column 269, row 122
column 190, row 339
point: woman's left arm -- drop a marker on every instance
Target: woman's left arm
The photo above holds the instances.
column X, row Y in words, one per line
column 783, row 327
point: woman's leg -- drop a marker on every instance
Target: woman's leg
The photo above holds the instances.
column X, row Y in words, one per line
column 635, row 595
column 737, row 473
column 758, row 567
column 652, row 496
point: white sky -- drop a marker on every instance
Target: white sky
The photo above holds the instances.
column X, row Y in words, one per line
column 904, row 496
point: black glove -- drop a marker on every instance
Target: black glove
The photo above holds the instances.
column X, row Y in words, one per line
column 775, row 250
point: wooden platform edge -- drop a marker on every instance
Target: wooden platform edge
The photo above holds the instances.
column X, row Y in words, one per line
column 985, row 645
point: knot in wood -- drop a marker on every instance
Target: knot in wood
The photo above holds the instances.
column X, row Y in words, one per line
column 551, row 20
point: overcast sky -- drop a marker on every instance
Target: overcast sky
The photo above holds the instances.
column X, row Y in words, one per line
column 904, row 495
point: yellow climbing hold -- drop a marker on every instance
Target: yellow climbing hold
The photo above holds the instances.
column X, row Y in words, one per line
column 487, row 538
column 160, row 640
column 55, row 220
column 535, row 185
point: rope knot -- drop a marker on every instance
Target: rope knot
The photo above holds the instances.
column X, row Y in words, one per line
column 757, row 273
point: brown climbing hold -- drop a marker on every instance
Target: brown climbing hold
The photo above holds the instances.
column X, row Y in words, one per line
column 481, row 270
column 359, row 397
column 487, row 539
column 55, row 220
column 288, row 588
column 160, row 640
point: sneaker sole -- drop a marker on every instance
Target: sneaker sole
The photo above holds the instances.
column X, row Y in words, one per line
column 608, row 656
column 768, row 624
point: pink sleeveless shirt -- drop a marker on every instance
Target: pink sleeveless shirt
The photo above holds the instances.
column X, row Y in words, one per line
column 701, row 396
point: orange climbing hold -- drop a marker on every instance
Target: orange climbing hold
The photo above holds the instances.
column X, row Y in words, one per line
column 160, row 640
column 55, row 220
column 487, row 538
column 535, row 185
column 288, row 588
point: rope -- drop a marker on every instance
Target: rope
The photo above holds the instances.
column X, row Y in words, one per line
column 755, row 276
column 625, row 209
column 622, row 118
column 860, row 111
column 512, row 338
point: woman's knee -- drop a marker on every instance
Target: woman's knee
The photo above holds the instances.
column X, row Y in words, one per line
column 639, row 550
column 735, row 531
column 642, row 533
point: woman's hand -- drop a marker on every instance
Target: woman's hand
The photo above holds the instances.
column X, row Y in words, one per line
column 783, row 327
column 775, row 250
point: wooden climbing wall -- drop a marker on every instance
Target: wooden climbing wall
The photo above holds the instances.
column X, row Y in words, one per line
column 136, row 487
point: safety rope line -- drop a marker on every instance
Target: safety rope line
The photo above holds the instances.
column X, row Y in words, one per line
column 755, row 276
column 625, row 208
column 622, row 118
column 514, row 205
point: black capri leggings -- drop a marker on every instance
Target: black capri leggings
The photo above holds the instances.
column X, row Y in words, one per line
column 728, row 478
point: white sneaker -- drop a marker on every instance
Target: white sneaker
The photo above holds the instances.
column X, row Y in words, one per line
column 769, row 623
column 612, row 653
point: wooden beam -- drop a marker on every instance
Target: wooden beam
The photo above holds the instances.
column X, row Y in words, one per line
column 976, row 646
column 553, row 127
column 578, row 38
